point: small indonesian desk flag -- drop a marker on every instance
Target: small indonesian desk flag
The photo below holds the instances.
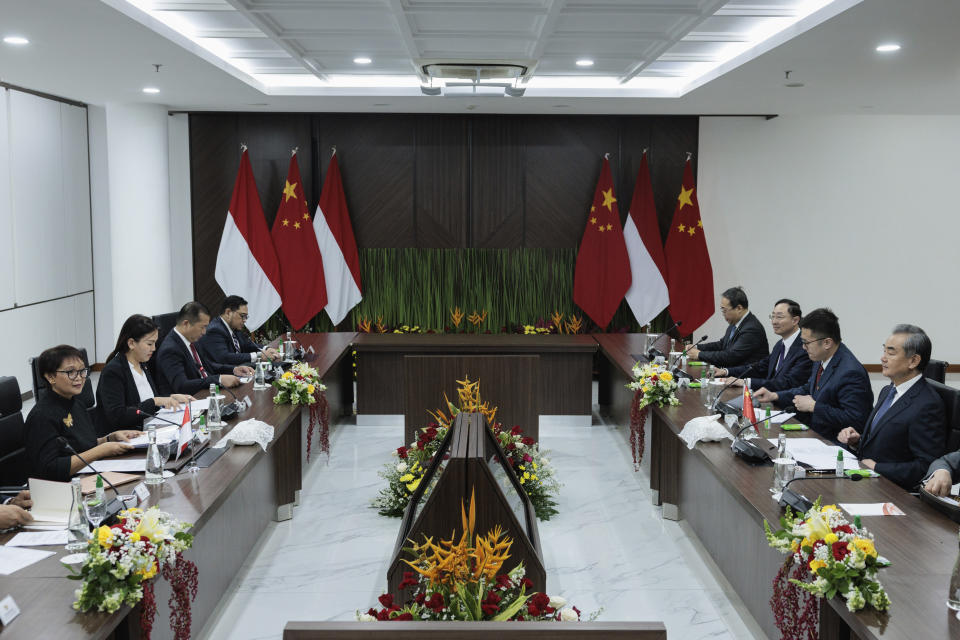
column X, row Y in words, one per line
column 304, row 288
column 247, row 265
column 185, row 433
column 647, row 295
column 602, row 274
column 341, row 262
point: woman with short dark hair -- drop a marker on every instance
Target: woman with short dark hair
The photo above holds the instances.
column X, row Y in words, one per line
column 126, row 384
column 59, row 422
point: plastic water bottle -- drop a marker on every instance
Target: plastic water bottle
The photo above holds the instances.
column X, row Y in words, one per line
column 840, row 462
column 953, row 598
column 77, row 527
column 214, row 422
column 154, row 469
column 766, row 421
column 781, row 444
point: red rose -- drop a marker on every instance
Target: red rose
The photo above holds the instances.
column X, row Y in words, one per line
column 654, row 377
column 408, row 580
column 503, row 581
column 419, row 598
column 541, row 599
column 528, row 584
column 403, row 616
column 383, row 614
column 435, row 602
column 840, row 550
column 532, row 609
column 386, row 600
column 489, row 609
column 511, row 447
column 402, row 452
column 516, row 431
column 492, row 598
column 372, row 612
column 844, row 528
column 527, row 458
column 529, row 441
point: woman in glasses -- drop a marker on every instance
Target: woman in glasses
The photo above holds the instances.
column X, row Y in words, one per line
column 126, row 385
column 59, row 426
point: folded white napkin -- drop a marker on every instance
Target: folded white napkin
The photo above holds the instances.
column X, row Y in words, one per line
column 248, row 432
column 704, row 429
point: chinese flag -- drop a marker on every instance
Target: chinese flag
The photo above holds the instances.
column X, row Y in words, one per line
column 748, row 411
column 689, row 274
column 602, row 275
column 301, row 267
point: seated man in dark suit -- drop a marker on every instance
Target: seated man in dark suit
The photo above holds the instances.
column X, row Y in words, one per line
column 907, row 428
column 787, row 366
column 745, row 340
column 180, row 366
column 838, row 393
column 225, row 344
column 943, row 473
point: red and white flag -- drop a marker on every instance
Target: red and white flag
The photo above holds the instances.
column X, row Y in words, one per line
column 185, row 432
column 647, row 295
column 247, row 265
column 341, row 262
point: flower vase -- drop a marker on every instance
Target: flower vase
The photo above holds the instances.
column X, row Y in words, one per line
column 638, row 418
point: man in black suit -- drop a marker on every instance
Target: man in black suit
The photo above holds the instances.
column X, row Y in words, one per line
column 787, row 366
column 180, row 366
column 838, row 393
column 745, row 340
column 906, row 431
column 224, row 343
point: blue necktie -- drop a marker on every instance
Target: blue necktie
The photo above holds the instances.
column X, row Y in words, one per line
column 726, row 339
column 783, row 350
column 884, row 407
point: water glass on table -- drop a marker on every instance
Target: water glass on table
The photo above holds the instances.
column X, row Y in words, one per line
column 783, row 472
column 96, row 510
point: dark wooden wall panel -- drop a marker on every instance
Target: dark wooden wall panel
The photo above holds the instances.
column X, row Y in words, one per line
column 376, row 157
column 447, row 181
column 497, row 173
column 562, row 166
column 442, row 189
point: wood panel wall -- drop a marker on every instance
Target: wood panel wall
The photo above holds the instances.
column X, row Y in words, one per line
column 431, row 180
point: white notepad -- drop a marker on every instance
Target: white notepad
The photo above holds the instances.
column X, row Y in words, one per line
column 51, row 502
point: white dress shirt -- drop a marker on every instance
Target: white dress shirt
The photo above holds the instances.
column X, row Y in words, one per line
column 143, row 385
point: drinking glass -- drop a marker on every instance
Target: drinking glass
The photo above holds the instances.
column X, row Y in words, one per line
column 165, row 447
column 96, row 510
column 783, row 471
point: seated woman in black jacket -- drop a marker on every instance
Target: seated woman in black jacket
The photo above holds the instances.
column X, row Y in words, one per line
column 126, row 385
column 59, row 425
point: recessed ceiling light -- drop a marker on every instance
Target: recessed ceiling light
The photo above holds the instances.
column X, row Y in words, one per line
column 584, row 62
column 362, row 60
column 151, row 90
column 16, row 40
column 887, row 48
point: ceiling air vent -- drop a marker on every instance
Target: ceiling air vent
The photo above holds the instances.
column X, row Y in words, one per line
column 473, row 79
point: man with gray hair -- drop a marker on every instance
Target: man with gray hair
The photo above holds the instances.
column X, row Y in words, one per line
column 907, row 428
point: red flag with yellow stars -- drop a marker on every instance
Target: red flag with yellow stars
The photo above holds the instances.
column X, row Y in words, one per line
column 602, row 275
column 301, row 266
column 689, row 274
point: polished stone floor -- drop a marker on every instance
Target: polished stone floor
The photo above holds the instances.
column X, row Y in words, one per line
column 608, row 548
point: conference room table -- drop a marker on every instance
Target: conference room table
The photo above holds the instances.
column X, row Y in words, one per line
column 725, row 500
column 230, row 504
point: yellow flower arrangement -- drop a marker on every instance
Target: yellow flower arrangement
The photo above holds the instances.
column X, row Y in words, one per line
column 105, row 536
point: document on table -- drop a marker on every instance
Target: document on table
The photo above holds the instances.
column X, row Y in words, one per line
column 176, row 415
column 16, row 558
column 776, row 418
column 872, row 509
column 51, row 502
column 39, row 538
column 167, row 433
column 817, row 454
column 126, row 465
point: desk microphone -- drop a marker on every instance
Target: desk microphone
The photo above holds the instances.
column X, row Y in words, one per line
column 728, row 408
column 114, row 506
column 232, row 409
column 799, row 502
column 677, row 371
column 748, row 450
column 652, row 353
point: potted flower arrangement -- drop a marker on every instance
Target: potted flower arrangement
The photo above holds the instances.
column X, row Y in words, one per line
column 652, row 384
column 301, row 385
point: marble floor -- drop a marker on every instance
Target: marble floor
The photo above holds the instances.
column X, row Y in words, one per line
column 608, row 547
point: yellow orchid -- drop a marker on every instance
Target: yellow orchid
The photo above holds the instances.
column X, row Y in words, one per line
column 150, row 526
column 818, row 526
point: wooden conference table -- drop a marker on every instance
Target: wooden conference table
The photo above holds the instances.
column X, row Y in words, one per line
column 230, row 504
column 725, row 501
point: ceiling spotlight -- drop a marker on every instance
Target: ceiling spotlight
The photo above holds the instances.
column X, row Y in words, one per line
column 428, row 90
column 514, row 92
column 584, row 62
column 362, row 60
column 16, row 40
column 888, row 48
column 151, row 90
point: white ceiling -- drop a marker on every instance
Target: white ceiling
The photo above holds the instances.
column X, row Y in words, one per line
column 88, row 50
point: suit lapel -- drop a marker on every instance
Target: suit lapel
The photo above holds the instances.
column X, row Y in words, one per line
column 900, row 405
column 774, row 357
column 190, row 361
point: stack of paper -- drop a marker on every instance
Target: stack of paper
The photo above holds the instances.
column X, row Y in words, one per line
column 16, row 558
column 51, row 503
column 818, row 455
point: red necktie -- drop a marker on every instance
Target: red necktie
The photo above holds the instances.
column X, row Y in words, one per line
column 816, row 384
column 203, row 374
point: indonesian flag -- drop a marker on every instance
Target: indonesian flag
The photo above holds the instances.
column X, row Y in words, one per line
column 304, row 289
column 689, row 272
column 341, row 262
column 247, row 265
column 748, row 411
column 185, row 433
column 602, row 274
column 647, row 295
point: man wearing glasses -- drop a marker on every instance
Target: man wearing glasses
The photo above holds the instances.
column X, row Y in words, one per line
column 787, row 366
column 224, row 341
column 838, row 392
column 744, row 342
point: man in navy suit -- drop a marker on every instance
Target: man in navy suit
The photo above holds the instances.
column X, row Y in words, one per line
column 745, row 340
column 907, row 428
column 787, row 366
column 838, row 393
column 224, row 343
column 180, row 366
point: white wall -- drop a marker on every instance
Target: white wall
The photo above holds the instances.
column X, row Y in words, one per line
column 856, row 213
column 181, row 222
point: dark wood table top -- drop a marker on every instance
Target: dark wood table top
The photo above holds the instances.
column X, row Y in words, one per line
column 921, row 546
column 472, row 342
column 329, row 348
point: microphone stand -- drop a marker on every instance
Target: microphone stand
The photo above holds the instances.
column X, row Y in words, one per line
column 716, row 401
column 193, row 453
column 112, row 508
column 748, row 450
column 799, row 502
column 677, row 371
column 652, row 353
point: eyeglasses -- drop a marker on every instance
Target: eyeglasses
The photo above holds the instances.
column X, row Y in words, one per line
column 244, row 316
column 807, row 343
column 73, row 374
column 778, row 316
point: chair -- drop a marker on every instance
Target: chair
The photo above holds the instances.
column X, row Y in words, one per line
column 14, row 466
column 165, row 323
column 951, row 406
column 41, row 388
column 936, row 370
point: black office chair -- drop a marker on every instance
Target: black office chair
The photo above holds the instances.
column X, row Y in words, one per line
column 14, row 467
column 936, row 370
column 41, row 388
column 951, row 407
column 165, row 323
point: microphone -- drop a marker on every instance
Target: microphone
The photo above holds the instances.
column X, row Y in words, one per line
column 114, row 506
column 696, row 344
column 748, row 450
column 677, row 371
column 798, row 501
column 229, row 410
column 652, row 353
column 728, row 408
